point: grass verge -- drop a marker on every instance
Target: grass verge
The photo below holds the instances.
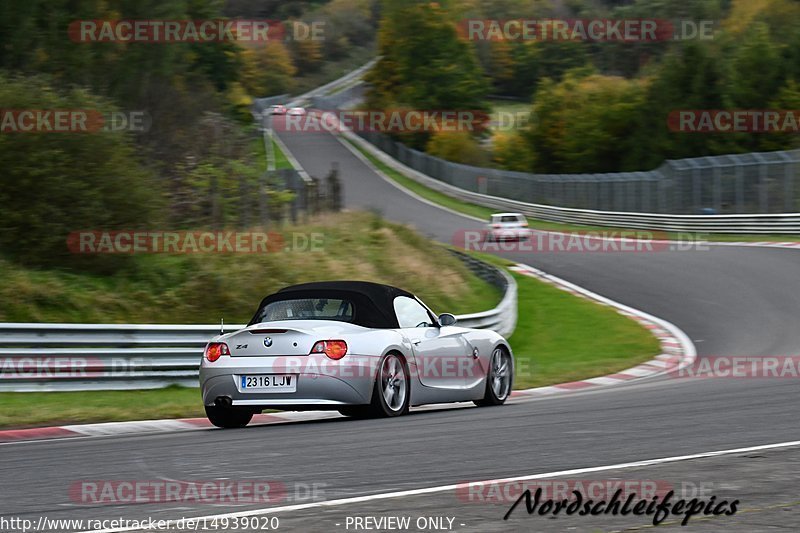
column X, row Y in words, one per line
column 25, row 409
column 484, row 213
column 561, row 338
column 200, row 288
column 281, row 161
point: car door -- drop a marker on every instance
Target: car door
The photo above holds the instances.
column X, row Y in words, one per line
column 443, row 357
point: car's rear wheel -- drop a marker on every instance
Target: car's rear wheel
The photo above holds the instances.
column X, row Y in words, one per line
column 499, row 378
column 225, row 417
column 392, row 391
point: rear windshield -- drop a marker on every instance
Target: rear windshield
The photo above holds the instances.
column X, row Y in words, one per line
column 307, row 309
column 506, row 219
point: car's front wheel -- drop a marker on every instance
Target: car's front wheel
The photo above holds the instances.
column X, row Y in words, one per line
column 498, row 380
column 225, row 417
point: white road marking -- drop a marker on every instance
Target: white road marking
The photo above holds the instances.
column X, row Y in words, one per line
column 602, row 380
column 445, row 488
column 637, row 371
column 134, row 427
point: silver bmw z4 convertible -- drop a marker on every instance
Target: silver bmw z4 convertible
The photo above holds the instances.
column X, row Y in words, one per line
column 364, row 349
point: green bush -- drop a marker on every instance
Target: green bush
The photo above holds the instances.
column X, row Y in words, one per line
column 56, row 183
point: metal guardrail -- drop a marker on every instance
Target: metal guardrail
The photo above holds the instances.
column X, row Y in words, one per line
column 503, row 318
column 79, row 357
column 758, row 183
column 731, row 224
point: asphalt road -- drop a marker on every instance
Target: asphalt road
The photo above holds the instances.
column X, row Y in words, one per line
column 730, row 301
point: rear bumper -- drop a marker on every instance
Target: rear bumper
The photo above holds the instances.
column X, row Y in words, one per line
column 510, row 234
column 321, row 382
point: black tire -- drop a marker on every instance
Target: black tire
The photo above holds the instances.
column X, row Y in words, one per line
column 492, row 396
column 379, row 407
column 225, row 417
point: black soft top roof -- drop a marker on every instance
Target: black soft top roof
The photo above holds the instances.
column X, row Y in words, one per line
column 373, row 302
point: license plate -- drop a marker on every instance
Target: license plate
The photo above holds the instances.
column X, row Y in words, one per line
column 270, row 383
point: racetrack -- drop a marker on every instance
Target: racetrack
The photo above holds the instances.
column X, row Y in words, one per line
column 729, row 300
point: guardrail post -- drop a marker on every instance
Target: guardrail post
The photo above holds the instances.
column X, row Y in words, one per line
column 697, row 199
column 788, row 188
column 313, row 193
column 740, row 189
column 216, row 210
column 334, row 189
column 291, row 183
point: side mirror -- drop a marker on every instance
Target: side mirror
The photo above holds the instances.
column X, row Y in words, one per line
column 446, row 319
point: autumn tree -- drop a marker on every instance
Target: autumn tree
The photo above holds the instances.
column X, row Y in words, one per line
column 424, row 64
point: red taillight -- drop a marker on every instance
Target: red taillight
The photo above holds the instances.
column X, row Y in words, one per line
column 333, row 349
column 497, row 226
column 215, row 350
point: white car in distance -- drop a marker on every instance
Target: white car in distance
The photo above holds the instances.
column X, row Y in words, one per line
column 508, row 227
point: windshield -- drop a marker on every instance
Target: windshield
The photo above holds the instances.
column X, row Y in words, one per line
column 307, row 309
